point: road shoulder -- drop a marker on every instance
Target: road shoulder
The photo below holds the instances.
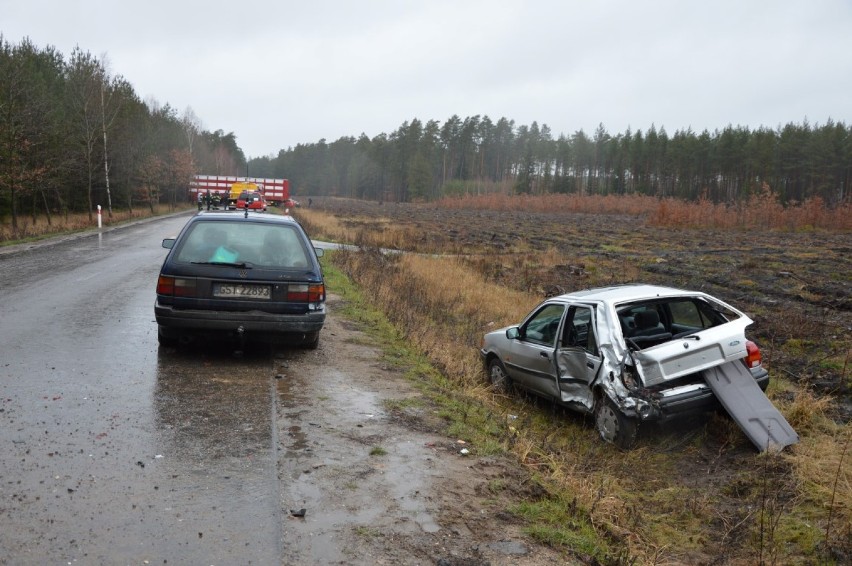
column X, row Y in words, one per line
column 362, row 452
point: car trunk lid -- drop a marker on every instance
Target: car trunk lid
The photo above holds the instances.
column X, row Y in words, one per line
column 693, row 353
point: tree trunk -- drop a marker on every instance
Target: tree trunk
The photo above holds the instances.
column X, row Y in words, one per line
column 106, row 161
column 46, row 208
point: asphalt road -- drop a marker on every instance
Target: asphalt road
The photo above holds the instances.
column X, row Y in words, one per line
column 114, row 451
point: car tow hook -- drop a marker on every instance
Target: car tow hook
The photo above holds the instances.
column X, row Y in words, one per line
column 241, row 333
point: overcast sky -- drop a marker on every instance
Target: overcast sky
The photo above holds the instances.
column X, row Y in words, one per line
column 279, row 73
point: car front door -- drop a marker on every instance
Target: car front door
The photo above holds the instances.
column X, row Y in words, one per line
column 577, row 357
column 530, row 363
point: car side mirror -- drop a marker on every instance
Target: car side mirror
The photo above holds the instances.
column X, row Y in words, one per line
column 168, row 243
column 319, row 251
column 513, row 333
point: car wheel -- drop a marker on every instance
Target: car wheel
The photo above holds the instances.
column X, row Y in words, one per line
column 497, row 375
column 311, row 341
column 613, row 425
column 165, row 339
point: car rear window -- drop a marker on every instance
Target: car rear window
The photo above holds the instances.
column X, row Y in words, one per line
column 677, row 316
column 265, row 245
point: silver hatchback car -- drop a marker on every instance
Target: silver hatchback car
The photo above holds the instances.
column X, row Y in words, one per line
column 636, row 353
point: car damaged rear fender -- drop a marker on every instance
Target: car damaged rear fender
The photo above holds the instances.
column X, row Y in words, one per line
column 630, row 403
column 610, row 382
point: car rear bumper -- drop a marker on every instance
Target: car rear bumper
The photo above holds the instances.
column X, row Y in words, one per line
column 230, row 321
column 685, row 399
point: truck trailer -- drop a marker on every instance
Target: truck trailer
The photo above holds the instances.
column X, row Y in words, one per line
column 274, row 191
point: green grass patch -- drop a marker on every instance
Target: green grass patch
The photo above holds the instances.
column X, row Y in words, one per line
column 367, row 532
column 556, row 522
column 403, row 404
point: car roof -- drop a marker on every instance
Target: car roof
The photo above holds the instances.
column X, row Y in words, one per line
column 627, row 292
column 226, row 215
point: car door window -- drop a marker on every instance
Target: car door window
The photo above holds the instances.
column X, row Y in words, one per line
column 543, row 327
column 579, row 330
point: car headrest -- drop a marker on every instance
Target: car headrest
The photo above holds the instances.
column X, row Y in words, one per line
column 646, row 319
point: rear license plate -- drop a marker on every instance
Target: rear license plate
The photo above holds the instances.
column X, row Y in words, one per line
column 242, row 290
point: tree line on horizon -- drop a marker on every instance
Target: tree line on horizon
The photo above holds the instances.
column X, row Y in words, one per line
column 476, row 155
column 73, row 136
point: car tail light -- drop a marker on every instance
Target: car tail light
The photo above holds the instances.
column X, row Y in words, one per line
column 176, row 286
column 753, row 357
column 166, row 285
column 306, row 293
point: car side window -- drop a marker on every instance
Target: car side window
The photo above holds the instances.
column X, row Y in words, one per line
column 543, row 327
column 686, row 314
column 579, row 330
column 692, row 316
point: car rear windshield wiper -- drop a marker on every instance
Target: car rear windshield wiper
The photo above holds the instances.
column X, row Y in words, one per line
column 242, row 264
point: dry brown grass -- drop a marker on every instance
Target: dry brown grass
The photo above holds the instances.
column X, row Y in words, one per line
column 369, row 232
column 29, row 228
column 762, row 210
column 590, row 204
column 443, row 305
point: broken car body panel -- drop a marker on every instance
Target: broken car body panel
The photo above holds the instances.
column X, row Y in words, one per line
column 759, row 419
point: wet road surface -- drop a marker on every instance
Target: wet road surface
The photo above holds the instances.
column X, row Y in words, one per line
column 114, row 450
column 117, row 451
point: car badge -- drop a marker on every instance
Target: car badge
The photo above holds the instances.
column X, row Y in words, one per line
column 686, row 345
column 243, row 273
column 734, row 343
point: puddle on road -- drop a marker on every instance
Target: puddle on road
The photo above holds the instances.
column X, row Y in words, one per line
column 326, row 467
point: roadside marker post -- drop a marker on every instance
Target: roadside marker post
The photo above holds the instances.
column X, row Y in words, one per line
column 100, row 221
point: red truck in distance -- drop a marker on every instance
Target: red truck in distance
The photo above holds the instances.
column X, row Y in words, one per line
column 275, row 191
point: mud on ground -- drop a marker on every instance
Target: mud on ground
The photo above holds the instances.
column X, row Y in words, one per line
column 374, row 478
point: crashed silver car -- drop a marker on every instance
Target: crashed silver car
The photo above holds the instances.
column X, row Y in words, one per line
column 635, row 353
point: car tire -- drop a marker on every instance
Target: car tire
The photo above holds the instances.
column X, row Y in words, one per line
column 497, row 375
column 311, row 341
column 165, row 339
column 613, row 425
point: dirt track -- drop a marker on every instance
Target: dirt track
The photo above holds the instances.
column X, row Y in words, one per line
column 418, row 501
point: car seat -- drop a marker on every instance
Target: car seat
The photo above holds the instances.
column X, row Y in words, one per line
column 649, row 330
column 647, row 323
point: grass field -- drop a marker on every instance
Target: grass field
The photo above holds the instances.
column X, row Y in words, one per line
column 695, row 492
